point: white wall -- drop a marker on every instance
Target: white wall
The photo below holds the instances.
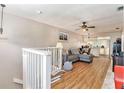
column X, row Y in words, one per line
column 21, row 33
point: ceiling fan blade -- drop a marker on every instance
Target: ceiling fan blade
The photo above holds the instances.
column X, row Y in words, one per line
column 91, row 27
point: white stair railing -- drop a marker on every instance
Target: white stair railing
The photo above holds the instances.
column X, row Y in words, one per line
column 39, row 65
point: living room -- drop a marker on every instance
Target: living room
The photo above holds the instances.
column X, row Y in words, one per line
column 39, row 26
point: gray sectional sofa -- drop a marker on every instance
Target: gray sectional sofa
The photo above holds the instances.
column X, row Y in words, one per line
column 73, row 55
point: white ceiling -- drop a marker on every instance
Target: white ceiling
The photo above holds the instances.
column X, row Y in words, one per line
column 69, row 16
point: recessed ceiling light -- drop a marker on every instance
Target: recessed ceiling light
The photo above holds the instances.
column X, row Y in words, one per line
column 39, row 12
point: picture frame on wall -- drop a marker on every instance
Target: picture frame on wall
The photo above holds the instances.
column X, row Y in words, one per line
column 63, row 36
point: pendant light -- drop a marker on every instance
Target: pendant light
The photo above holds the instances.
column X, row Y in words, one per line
column 1, row 28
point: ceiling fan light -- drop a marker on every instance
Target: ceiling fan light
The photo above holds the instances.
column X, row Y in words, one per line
column 84, row 30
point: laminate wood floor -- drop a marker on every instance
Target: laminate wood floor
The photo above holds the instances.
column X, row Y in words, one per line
column 84, row 75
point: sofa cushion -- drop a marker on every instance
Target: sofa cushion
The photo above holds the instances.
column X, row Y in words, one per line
column 73, row 56
column 75, row 51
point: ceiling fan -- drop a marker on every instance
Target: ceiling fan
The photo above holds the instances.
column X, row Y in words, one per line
column 85, row 27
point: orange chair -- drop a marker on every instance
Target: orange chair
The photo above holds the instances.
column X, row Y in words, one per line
column 119, row 77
